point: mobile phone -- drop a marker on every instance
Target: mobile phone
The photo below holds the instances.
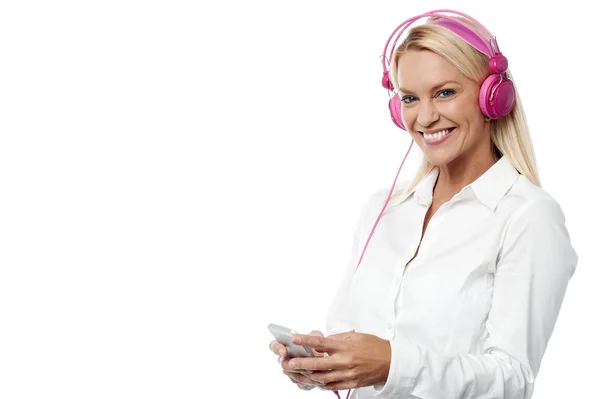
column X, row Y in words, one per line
column 283, row 335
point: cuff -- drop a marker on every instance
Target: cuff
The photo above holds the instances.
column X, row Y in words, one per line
column 404, row 367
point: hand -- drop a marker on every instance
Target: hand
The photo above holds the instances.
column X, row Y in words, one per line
column 355, row 360
column 299, row 377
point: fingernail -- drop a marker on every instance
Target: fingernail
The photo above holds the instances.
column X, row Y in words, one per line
column 281, row 353
column 296, row 340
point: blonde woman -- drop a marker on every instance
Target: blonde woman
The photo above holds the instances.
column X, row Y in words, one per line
column 465, row 273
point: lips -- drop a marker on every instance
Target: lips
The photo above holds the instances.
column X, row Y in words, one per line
column 437, row 136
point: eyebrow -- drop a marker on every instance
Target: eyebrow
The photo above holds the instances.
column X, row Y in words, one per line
column 434, row 88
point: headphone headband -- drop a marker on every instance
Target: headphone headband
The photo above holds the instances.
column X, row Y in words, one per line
column 497, row 93
column 488, row 47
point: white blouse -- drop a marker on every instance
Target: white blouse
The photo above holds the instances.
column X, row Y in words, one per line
column 472, row 314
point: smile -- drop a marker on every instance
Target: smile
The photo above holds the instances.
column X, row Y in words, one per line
column 438, row 136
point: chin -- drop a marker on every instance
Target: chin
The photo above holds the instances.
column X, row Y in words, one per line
column 440, row 159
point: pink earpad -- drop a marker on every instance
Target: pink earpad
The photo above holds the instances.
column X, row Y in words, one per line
column 503, row 99
column 395, row 105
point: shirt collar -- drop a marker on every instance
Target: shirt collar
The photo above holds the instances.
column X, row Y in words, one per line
column 495, row 183
column 423, row 190
column 489, row 188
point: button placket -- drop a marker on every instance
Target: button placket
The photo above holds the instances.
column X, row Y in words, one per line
column 433, row 229
column 408, row 257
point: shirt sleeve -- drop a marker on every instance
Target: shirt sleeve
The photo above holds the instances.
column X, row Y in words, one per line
column 534, row 265
column 339, row 315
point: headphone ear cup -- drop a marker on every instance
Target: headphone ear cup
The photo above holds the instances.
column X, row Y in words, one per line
column 496, row 96
column 395, row 106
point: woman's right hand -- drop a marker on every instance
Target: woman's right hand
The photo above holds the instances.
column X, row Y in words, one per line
column 300, row 377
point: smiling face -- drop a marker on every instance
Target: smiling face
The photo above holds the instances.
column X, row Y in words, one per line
column 440, row 109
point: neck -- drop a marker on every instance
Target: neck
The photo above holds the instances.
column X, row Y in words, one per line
column 454, row 176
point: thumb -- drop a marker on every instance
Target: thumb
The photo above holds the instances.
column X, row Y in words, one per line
column 318, row 334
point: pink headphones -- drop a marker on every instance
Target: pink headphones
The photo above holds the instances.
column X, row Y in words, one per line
column 497, row 93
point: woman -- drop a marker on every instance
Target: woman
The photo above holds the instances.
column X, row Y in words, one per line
column 465, row 275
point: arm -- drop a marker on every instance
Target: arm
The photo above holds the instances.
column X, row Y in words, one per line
column 532, row 272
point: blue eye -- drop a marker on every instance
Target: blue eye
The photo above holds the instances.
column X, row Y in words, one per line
column 407, row 99
column 446, row 93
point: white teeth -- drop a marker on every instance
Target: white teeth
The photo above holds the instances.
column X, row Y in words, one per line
column 436, row 136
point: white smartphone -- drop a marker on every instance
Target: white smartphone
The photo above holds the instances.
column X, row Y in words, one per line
column 283, row 335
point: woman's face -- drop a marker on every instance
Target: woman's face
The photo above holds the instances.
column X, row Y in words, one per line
column 440, row 108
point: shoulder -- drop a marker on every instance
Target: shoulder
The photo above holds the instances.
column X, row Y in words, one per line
column 373, row 203
column 528, row 201
column 536, row 219
column 535, row 232
column 377, row 198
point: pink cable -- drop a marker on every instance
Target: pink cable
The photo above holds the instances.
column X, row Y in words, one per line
column 386, row 202
column 336, row 392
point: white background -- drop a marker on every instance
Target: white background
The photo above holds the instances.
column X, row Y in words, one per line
column 176, row 175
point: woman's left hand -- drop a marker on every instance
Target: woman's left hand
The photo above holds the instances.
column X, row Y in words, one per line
column 354, row 360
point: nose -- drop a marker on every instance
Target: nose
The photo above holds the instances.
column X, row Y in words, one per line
column 427, row 114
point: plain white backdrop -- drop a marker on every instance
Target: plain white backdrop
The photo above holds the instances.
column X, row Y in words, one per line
column 175, row 175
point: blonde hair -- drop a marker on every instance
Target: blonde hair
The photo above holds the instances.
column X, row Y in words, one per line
column 509, row 134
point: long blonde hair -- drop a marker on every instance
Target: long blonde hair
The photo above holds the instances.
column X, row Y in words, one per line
column 510, row 134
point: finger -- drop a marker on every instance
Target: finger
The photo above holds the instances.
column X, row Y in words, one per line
column 278, row 349
column 339, row 386
column 292, row 377
column 321, row 344
column 285, row 365
column 300, row 379
column 317, row 353
column 334, row 362
column 314, row 351
column 323, row 378
column 338, row 361
column 284, row 362
column 316, row 377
